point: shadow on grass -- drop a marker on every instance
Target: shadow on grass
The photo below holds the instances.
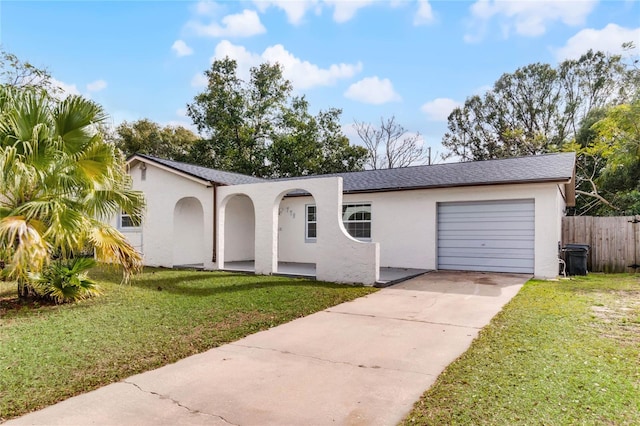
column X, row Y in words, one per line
column 181, row 286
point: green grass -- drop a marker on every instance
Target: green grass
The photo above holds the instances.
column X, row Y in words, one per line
column 559, row 353
column 49, row 353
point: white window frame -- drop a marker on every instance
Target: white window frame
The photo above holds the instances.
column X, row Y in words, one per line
column 307, row 238
column 123, row 227
column 355, row 205
column 344, row 222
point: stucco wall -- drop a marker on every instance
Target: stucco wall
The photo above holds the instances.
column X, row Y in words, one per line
column 240, row 228
column 163, row 190
column 339, row 257
column 188, row 232
column 405, row 223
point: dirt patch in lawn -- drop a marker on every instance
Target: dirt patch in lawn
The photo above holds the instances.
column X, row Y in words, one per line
column 618, row 316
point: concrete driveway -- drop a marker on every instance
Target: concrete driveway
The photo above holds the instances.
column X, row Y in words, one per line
column 363, row 362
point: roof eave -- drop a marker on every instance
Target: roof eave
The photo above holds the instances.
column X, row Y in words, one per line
column 131, row 161
column 459, row 185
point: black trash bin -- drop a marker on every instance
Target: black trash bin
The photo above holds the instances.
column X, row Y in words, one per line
column 575, row 256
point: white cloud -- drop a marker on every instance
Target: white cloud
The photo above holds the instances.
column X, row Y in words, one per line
column 439, row 109
column 181, row 48
column 206, row 8
column 528, row 18
column 199, row 80
column 609, row 39
column 295, row 10
column 181, row 112
column 244, row 24
column 65, row 88
column 96, row 86
column 343, row 10
column 302, row 74
column 424, row 15
column 240, row 54
column 372, row 90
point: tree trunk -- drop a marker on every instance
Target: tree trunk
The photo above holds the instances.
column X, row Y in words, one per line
column 25, row 290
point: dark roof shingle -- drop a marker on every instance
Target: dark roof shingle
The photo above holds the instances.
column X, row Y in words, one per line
column 205, row 173
column 540, row 168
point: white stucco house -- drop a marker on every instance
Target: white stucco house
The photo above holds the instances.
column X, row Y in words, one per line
column 496, row 215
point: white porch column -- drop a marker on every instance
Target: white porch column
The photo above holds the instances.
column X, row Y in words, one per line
column 266, row 255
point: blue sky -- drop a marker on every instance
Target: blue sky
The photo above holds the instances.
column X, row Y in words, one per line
column 416, row 60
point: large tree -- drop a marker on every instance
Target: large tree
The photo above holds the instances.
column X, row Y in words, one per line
column 537, row 108
column 258, row 127
column 303, row 144
column 390, row 145
column 60, row 183
column 147, row 137
column 617, row 137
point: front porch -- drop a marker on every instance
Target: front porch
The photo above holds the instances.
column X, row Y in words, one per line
column 388, row 275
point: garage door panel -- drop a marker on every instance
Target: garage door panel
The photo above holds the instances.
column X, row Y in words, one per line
column 466, row 261
column 484, row 244
column 487, row 253
column 487, row 236
column 484, row 226
column 488, row 216
column 486, row 268
column 497, row 207
column 476, row 235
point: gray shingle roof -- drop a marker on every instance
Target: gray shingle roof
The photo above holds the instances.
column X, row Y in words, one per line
column 211, row 175
column 539, row 168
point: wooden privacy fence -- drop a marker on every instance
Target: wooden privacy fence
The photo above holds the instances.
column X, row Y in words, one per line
column 614, row 241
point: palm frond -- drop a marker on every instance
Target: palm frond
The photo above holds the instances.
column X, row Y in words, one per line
column 113, row 247
column 23, row 239
column 75, row 117
column 66, row 280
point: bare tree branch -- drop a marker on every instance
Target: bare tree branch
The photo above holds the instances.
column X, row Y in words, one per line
column 390, row 145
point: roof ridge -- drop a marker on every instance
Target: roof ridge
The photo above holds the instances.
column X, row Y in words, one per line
column 151, row 157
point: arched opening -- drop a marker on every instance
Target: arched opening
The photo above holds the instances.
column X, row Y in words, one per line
column 239, row 234
column 188, row 233
column 297, row 233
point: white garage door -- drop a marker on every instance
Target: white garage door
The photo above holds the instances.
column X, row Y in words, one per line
column 495, row 236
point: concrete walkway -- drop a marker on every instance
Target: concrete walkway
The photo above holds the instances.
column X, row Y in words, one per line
column 363, row 362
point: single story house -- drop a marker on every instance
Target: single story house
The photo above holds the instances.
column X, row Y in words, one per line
column 496, row 215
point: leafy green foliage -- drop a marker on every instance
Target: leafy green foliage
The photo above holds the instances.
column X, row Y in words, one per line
column 60, row 181
column 22, row 74
column 147, row 137
column 608, row 148
column 66, row 280
column 257, row 127
column 52, row 352
column 539, row 109
column 559, row 353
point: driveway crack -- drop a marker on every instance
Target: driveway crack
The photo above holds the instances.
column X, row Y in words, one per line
column 178, row 403
column 329, row 360
column 404, row 319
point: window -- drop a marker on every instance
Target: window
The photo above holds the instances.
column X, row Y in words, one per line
column 128, row 222
column 311, row 223
column 356, row 218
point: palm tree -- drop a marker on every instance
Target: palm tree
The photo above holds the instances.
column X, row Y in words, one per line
column 60, row 182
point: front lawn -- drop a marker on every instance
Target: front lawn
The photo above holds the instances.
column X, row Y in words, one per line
column 559, row 353
column 49, row 353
